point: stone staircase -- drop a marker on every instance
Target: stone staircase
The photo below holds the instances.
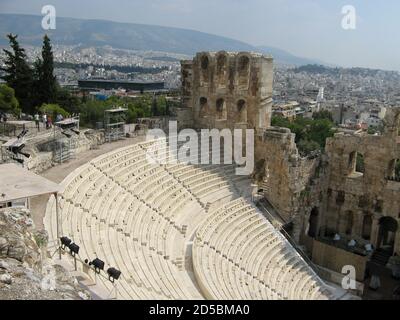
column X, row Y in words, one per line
column 380, row 257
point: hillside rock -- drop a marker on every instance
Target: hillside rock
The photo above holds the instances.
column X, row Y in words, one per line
column 24, row 272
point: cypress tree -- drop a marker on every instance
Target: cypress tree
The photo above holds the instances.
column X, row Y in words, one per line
column 166, row 107
column 154, row 107
column 44, row 71
column 18, row 74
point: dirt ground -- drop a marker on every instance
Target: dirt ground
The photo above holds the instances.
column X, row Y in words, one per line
column 59, row 172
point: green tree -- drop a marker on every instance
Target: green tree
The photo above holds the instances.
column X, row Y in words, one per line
column 140, row 107
column 46, row 83
column 360, row 165
column 307, row 131
column 53, row 110
column 277, row 121
column 167, row 111
column 307, row 146
column 154, row 107
column 92, row 112
column 162, row 105
column 18, row 74
column 8, row 102
column 68, row 101
column 323, row 114
column 320, row 130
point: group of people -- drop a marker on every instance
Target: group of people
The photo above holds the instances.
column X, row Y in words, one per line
column 39, row 117
column 46, row 119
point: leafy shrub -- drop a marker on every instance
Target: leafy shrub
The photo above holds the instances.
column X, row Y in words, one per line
column 53, row 110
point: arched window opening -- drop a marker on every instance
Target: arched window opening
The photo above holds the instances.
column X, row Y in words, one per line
column 379, row 206
column 204, row 70
column 352, row 162
column 356, row 163
column 221, row 109
column 221, row 63
column 244, row 71
column 340, row 198
column 203, row 106
column 204, row 62
column 244, row 64
column 313, row 223
column 221, row 70
column 363, row 201
column 349, row 223
column 367, row 227
column 242, row 111
column 387, row 233
column 360, row 165
column 394, row 170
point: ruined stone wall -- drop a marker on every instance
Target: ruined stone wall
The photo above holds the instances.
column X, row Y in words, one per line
column 313, row 197
column 357, row 200
column 41, row 148
column 185, row 118
column 226, row 90
column 287, row 175
column 234, row 90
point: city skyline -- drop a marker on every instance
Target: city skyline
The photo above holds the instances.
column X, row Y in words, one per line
column 310, row 29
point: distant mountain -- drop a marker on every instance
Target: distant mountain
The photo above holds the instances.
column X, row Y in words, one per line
column 98, row 33
column 285, row 57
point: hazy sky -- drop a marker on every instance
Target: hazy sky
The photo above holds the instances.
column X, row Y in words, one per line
column 307, row 28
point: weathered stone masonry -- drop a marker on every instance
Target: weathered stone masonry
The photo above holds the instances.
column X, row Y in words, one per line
column 324, row 193
column 361, row 201
column 234, row 90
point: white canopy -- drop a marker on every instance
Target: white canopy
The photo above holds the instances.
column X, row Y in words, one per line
column 19, row 183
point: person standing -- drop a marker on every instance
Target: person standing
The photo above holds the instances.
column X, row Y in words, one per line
column 45, row 120
column 37, row 121
column 49, row 122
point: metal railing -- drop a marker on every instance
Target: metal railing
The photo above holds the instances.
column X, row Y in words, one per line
column 393, row 178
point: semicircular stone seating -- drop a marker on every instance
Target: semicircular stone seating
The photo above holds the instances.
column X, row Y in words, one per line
column 237, row 254
column 157, row 223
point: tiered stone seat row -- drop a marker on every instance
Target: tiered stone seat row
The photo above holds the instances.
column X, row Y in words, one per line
column 129, row 224
column 139, row 217
column 237, row 254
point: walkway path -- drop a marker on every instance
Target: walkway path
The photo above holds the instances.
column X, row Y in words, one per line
column 59, row 172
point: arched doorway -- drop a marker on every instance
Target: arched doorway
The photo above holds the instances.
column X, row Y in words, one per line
column 313, row 223
column 387, row 233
